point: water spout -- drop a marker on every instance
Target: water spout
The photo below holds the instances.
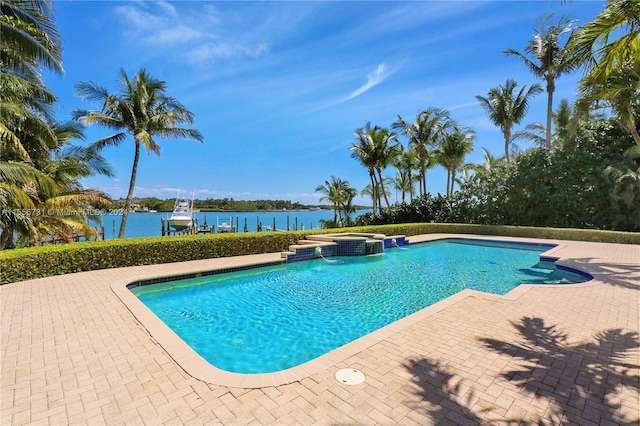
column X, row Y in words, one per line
column 318, row 253
column 394, row 243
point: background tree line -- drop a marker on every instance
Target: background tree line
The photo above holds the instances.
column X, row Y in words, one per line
column 218, row 204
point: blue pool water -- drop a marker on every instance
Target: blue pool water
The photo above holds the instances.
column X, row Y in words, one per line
column 269, row 319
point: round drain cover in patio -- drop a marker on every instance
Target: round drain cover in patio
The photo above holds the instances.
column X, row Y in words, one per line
column 350, row 376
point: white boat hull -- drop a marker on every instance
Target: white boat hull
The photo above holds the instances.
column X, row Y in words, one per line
column 180, row 224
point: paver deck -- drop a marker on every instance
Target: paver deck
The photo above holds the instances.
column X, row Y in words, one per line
column 73, row 353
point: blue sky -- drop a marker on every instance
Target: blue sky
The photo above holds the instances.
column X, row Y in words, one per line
column 278, row 88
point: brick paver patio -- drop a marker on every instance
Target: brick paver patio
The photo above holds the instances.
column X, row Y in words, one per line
column 73, row 353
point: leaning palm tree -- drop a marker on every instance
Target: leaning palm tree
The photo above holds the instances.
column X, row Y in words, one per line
column 30, row 38
column 30, row 41
column 609, row 46
column 505, row 108
column 548, row 60
column 620, row 91
column 141, row 109
column 425, row 135
column 455, row 147
column 611, row 39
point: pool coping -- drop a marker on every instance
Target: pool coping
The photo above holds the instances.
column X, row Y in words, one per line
column 195, row 365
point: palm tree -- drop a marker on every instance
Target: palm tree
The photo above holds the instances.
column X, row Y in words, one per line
column 612, row 64
column 20, row 184
column 425, row 135
column 406, row 162
column 340, row 194
column 363, row 150
column 403, row 183
column 141, row 109
column 547, row 60
column 611, row 39
column 375, row 148
column 506, row 109
column 620, row 91
column 490, row 162
column 29, row 42
column 455, row 147
column 534, row 132
column 30, row 38
column 564, row 121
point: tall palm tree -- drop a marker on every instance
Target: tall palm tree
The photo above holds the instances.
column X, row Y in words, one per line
column 387, row 149
column 376, row 148
column 505, row 108
column 609, row 46
column 141, row 109
column 548, row 60
column 363, row 150
column 455, row 147
column 425, row 135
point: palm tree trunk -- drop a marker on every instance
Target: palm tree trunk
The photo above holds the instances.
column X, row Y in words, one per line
column 507, row 140
column 448, row 179
column 6, row 237
column 410, row 186
column 453, row 179
column 372, row 176
column 636, row 136
column 384, row 193
column 550, row 90
column 632, row 128
column 132, row 184
column 424, row 182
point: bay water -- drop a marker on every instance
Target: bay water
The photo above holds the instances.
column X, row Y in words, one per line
column 144, row 224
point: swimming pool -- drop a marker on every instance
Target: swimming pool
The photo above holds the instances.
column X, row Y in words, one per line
column 273, row 318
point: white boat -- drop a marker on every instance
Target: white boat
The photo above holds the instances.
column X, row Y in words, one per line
column 224, row 226
column 182, row 216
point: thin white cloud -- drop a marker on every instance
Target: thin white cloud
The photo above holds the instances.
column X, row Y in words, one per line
column 377, row 76
column 374, row 78
column 211, row 52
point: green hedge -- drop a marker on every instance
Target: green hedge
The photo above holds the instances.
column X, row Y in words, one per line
column 37, row 262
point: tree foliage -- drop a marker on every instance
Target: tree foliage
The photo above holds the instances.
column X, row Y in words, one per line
column 592, row 184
